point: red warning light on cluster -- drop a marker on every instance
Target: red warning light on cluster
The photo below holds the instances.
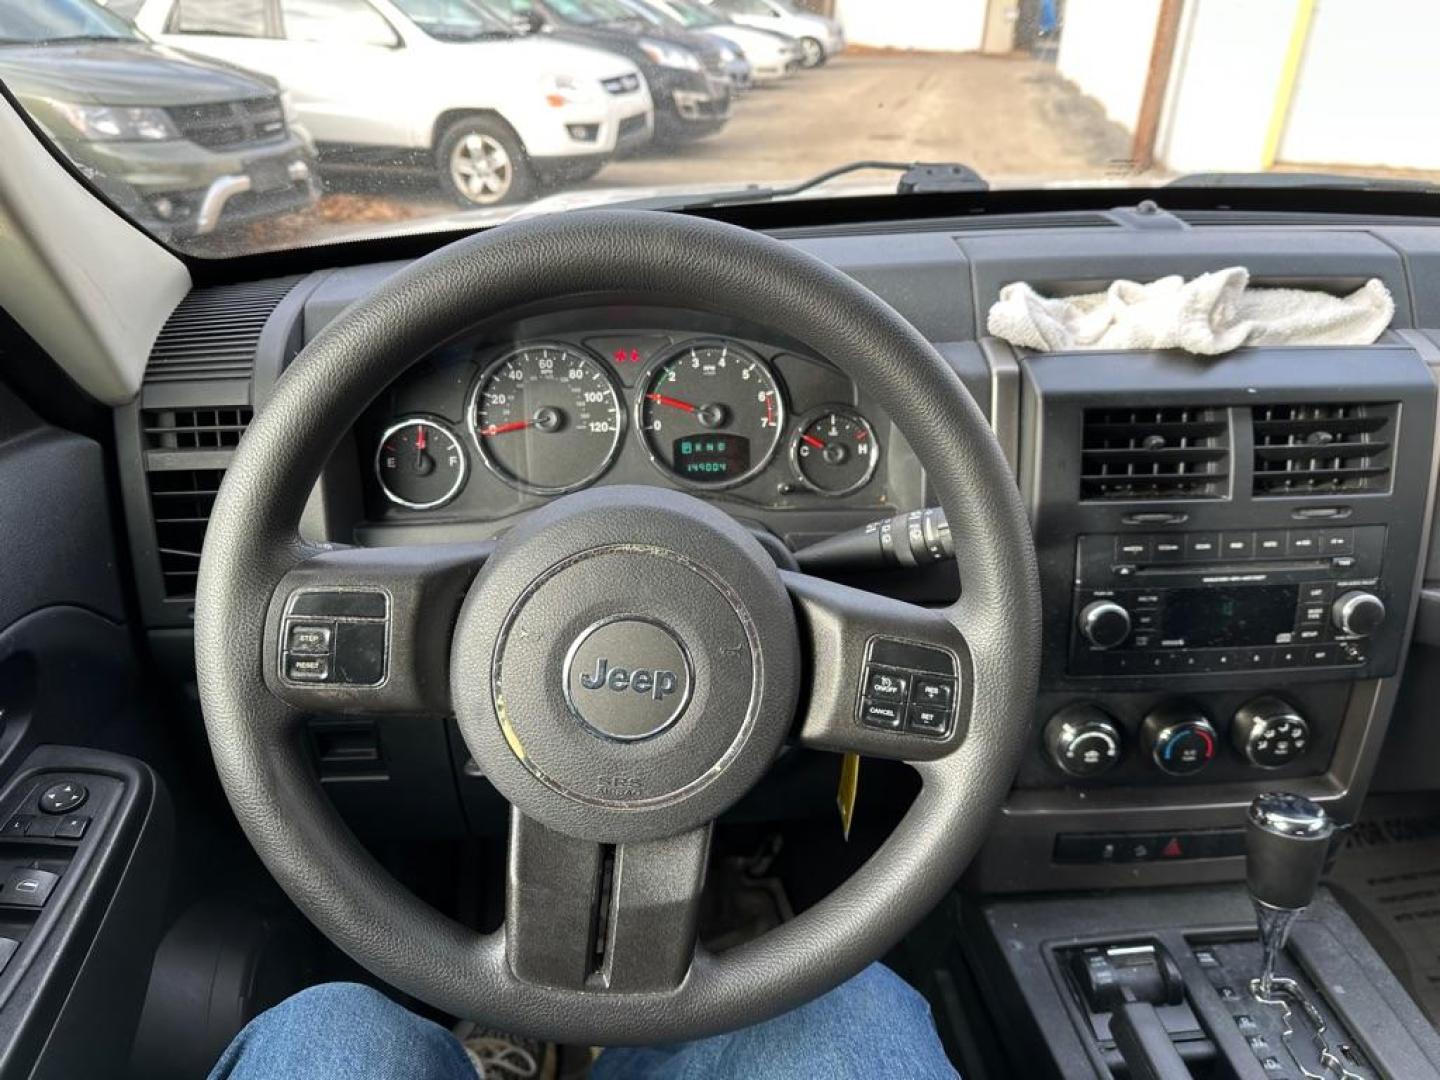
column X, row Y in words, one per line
column 627, row 356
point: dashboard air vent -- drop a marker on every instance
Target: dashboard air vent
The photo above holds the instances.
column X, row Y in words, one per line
column 1322, row 449
column 1170, row 452
column 181, row 501
column 214, row 332
column 194, row 429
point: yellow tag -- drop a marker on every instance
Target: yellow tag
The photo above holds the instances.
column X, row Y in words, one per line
column 845, row 797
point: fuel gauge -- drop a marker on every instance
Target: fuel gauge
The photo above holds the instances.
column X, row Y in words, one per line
column 420, row 464
column 834, row 451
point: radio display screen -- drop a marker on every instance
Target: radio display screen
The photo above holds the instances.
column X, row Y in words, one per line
column 1250, row 615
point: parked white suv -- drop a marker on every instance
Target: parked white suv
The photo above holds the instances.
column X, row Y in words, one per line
column 771, row 54
column 820, row 38
column 439, row 84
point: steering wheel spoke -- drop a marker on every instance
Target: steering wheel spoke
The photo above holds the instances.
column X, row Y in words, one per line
column 616, row 918
column 886, row 678
column 368, row 630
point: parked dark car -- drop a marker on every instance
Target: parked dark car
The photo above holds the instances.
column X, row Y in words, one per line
column 686, row 71
column 184, row 145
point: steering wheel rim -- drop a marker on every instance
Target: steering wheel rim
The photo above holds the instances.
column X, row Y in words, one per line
column 253, row 547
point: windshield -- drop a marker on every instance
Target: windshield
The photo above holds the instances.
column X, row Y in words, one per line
column 39, row 22
column 453, row 20
column 226, row 127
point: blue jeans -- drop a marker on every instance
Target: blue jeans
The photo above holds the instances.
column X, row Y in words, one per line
column 873, row 1025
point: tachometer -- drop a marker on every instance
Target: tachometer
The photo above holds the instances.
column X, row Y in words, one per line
column 711, row 413
column 546, row 418
column 420, row 464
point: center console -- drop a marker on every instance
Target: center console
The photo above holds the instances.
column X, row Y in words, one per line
column 1228, row 548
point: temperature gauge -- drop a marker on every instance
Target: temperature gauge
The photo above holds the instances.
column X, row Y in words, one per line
column 420, row 464
column 835, row 451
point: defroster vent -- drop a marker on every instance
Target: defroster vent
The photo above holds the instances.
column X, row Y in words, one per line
column 1169, row 452
column 1323, row 449
column 214, row 332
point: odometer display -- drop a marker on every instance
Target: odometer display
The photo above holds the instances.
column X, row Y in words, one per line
column 546, row 418
column 711, row 413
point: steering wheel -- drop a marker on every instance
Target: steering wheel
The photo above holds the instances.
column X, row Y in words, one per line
column 623, row 665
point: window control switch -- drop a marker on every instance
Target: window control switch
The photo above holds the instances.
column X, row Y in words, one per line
column 28, row 888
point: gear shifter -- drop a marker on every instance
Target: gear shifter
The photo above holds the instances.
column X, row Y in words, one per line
column 1287, row 840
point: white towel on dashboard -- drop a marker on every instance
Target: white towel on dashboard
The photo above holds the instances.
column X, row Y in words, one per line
column 1211, row 314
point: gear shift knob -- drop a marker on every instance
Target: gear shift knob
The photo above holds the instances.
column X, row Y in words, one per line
column 1287, row 839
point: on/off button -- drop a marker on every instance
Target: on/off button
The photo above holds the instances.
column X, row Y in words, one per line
column 886, row 684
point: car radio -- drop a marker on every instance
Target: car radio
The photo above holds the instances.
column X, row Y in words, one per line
column 1206, row 602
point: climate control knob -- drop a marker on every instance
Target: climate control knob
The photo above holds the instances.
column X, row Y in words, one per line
column 1083, row 740
column 1270, row 732
column 1358, row 612
column 1179, row 738
column 1104, row 623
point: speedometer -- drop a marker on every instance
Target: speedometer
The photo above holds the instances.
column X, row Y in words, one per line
column 546, row 418
column 711, row 413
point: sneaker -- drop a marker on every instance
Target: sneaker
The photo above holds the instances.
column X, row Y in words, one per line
column 497, row 1056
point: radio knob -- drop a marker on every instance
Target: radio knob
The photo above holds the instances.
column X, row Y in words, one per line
column 1358, row 612
column 1179, row 739
column 1270, row 732
column 1083, row 740
column 1104, row 623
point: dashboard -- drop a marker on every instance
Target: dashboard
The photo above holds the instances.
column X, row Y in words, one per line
column 1208, row 632
column 506, row 419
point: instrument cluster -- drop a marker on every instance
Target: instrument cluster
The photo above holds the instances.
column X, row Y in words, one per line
column 489, row 427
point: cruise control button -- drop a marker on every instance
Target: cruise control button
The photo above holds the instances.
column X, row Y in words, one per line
column 307, row 668
column 63, row 797
column 886, row 684
column 939, row 693
column 928, row 720
column 882, row 714
column 313, row 639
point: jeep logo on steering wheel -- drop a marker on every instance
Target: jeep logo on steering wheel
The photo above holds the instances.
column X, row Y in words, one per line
column 627, row 678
